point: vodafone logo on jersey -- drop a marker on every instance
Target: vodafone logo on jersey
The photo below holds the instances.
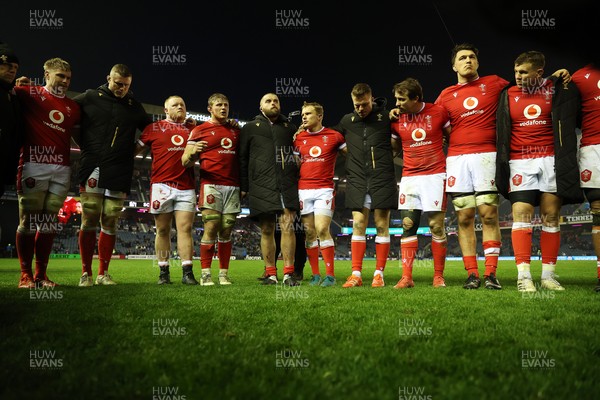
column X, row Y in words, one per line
column 315, row 151
column 56, row 116
column 226, row 143
column 532, row 111
column 470, row 103
column 177, row 140
column 598, row 84
column 419, row 134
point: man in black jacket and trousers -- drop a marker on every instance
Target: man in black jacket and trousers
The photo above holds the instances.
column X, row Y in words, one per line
column 11, row 133
column 269, row 176
column 111, row 118
column 371, row 180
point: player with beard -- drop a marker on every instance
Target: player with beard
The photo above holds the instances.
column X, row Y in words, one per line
column 269, row 176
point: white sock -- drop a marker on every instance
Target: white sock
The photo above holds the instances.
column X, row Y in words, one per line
column 548, row 271
column 523, row 271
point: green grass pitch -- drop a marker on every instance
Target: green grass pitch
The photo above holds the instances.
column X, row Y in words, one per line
column 138, row 340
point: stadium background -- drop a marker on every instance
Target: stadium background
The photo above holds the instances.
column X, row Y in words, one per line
column 302, row 51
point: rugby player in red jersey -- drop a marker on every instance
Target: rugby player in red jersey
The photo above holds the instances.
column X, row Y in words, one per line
column 44, row 173
column 172, row 193
column 587, row 80
column 318, row 147
column 215, row 144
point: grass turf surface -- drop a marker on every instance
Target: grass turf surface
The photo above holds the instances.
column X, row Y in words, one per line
column 138, row 340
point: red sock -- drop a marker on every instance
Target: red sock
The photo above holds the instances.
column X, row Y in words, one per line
column 328, row 254
column 382, row 250
column 224, row 253
column 471, row 265
column 288, row 269
column 43, row 248
column 87, row 244
column 550, row 244
column 106, row 245
column 408, row 248
column 439, row 247
column 271, row 270
column 521, row 242
column 491, row 249
column 312, row 253
column 25, row 244
column 207, row 252
column 358, row 248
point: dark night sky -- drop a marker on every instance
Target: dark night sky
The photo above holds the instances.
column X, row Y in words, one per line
column 239, row 49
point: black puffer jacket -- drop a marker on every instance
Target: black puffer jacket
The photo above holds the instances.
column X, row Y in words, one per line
column 11, row 135
column 108, row 132
column 369, row 162
column 269, row 171
column 566, row 103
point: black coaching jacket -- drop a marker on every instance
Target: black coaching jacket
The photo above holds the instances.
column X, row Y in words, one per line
column 369, row 162
column 11, row 134
column 108, row 132
column 268, row 169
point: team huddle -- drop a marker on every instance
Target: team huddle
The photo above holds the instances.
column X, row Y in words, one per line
column 535, row 140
